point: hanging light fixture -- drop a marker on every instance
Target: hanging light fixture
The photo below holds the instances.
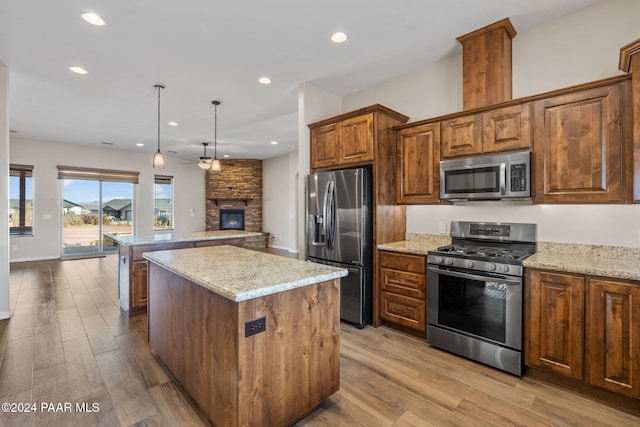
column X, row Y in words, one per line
column 158, row 157
column 205, row 161
column 215, row 164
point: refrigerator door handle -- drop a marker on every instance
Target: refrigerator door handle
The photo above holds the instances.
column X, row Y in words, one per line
column 330, row 213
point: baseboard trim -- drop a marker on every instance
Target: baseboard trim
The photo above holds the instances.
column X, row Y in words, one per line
column 32, row 259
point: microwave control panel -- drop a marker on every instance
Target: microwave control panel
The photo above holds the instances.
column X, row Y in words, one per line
column 519, row 177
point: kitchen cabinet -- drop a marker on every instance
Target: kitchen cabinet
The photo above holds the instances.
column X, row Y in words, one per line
column 584, row 327
column 325, row 146
column 139, row 284
column 613, row 336
column 496, row 130
column 418, row 164
column 354, row 138
column 579, row 147
column 403, row 290
column 554, row 319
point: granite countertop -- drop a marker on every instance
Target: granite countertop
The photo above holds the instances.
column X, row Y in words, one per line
column 597, row 260
column 159, row 238
column 417, row 244
column 242, row 274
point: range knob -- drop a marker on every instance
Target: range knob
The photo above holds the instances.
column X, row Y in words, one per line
column 448, row 261
column 469, row 264
column 491, row 267
column 504, row 268
column 438, row 260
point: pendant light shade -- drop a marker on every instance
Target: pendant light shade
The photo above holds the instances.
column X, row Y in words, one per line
column 215, row 164
column 158, row 157
column 205, row 161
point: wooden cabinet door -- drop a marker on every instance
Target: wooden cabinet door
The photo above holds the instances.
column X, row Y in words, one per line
column 325, row 146
column 462, row 136
column 554, row 319
column 507, row 128
column 356, row 139
column 403, row 310
column 418, row 165
column 578, row 147
column 613, row 336
column 139, row 284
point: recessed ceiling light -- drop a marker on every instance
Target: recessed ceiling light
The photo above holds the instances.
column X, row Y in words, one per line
column 264, row 80
column 173, row 123
column 274, row 142
column 78, row 70
column 226, row 156
column 338, row 37
column 93, row 19
column 139, row 144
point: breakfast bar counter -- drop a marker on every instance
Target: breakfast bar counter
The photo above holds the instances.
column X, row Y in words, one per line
column 132, row 267
column 252, row 337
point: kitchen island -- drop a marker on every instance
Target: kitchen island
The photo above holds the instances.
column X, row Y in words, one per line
column 132, row 268
column 252, row 337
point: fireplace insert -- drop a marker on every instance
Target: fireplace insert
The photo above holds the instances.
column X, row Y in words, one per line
column 231, row 219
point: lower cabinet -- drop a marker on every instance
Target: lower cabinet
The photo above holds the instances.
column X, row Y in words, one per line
column 139, row 284
column 403, row 290
column 584, row 327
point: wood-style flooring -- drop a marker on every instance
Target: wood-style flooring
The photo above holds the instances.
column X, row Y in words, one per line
column 68, row 343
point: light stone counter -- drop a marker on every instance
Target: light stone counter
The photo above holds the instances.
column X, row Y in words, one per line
column 162, row 238
column 417, row 244
column 241, row 274
column 597, row 260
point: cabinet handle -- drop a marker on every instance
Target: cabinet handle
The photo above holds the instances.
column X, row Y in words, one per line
column 124, row 259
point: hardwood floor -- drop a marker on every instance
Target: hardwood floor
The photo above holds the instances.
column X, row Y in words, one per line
column 68, row 342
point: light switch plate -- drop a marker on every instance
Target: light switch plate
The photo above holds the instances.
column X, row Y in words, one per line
column 442, row 227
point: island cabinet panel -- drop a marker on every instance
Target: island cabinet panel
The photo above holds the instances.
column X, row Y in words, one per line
column 613, row 336
column 403, row 290
column 506, row 129
column 554, row 315
column 579, row 147
column 272, row 378
column 325, row 146
column 139, row 284
column 462, row 136
column 418, row 160
column 356, row 139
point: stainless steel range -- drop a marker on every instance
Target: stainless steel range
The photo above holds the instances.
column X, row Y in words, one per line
column 474, row 292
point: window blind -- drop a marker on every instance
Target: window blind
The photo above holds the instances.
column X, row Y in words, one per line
column 93, row 174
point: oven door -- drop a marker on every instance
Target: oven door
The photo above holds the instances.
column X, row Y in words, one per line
column 488, row 307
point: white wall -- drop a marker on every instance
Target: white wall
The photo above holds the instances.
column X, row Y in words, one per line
column 574, row 49
column 189, row 191
column 4, row 192
column 279, row 176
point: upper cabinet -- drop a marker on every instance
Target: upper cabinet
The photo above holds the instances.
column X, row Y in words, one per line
column 352, row 139
column 500, row 129
column 418, row 160
column 579, row 147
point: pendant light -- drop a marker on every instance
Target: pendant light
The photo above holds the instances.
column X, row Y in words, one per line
column 215, row 164
column 158, row 157
column 205, row 161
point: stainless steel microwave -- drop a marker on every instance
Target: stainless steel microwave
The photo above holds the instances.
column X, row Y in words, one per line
column 492, row 177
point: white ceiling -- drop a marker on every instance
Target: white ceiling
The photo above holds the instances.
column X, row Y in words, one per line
column 203, row 50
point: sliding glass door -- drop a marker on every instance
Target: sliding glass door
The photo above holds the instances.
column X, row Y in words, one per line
column 91, row 211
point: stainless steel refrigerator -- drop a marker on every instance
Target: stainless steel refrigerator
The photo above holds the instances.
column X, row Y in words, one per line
column 339, row 233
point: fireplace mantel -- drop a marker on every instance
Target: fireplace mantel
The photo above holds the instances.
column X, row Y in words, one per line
column 246, row 200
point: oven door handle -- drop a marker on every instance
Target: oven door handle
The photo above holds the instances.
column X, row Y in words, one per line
column 473, row 276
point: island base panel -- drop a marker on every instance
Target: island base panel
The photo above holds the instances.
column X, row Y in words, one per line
column 274, row 377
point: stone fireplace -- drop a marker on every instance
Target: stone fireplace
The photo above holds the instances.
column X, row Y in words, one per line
column 237, row 187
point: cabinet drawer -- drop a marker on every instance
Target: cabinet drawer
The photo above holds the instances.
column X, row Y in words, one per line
column 409, row 263
column 139, row 250
column 235, row 242
column 403, row 310
column 402, row 282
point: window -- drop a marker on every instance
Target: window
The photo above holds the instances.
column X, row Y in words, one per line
column 163, row 203
column 20, row 200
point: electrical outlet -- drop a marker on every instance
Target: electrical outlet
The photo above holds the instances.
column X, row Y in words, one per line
column 442, row 227
column 256, row 326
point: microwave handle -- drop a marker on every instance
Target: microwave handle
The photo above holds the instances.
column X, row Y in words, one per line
column 503, row 179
